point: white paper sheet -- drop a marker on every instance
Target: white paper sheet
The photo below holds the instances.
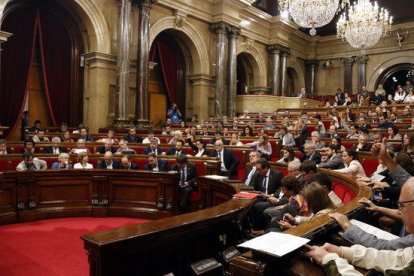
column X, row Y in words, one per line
column 381, row 234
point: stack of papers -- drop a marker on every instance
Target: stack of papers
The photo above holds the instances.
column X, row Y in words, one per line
column 275, row 244
column 380, row 234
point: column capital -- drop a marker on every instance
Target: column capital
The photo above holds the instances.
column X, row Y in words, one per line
column 233, row 31
column 277, row 48
column 312, row 62
column 220, row 27
column 348, row 60
column 362, row 59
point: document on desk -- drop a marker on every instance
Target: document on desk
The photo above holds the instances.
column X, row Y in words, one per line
column 216, row 177
column 380, row 234
column 276, row 244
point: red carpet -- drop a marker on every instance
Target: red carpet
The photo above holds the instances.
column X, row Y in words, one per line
column 51, row 247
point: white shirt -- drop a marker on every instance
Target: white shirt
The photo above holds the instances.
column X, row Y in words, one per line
column 221, row 156
column 249, row 177
column 77, row 151
column 147, row 141
column 79, row 166
column 200, row 153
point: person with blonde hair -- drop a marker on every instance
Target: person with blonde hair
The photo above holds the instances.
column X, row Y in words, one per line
column 83, row 162
column 262, row 145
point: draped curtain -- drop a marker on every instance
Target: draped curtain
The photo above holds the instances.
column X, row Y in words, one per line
column 16, row 58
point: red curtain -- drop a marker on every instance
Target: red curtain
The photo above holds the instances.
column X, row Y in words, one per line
column 55, row 51
column 15, row 65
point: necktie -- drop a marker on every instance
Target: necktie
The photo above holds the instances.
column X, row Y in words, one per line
column 265, row 184
column 182, row 178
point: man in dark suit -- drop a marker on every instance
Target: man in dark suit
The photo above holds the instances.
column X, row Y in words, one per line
column 188, row 177
column 55, row 147
column 132, row 136
column 178, row 150
column 109, row 163
column 331, row 132
column 153, row 148
column 251, row 174
column 156, row 165
column 267, row 182
column 229, row 162
column 310, row 153
column 217, row 137
column 331, row 159
column 106, row 147
column 362, row 144
column 127, row 164
column 85, row 135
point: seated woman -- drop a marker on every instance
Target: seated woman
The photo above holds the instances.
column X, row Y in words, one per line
column 235, row 141
column 63, row 162
column 408, row 144
column 178, row 135
column 262, row 146
column 80, row 147
column 352, row 165
column 288, row 155
column 83, row 162
column 247, row 132
column 66, row 137
column 318, row 203
column 109, row 138
column 393, row 133
column 199, row 147
column 286, row 138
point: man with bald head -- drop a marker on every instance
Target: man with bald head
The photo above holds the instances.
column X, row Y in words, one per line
column 109, row 163
column 229, row 162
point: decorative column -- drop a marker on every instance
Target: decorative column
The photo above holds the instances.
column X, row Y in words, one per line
column 274, row 51
column 284, row 72
column 362, row 69
column 220, row 103
column 3, row 38
column 348, row 62
column 311, row 77
column 142, row 95
column 234, row 32
column 123, row 65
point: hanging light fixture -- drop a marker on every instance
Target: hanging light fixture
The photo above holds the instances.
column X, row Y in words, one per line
column 364, row 24
column 311, row 13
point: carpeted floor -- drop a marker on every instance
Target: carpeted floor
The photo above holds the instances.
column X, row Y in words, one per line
column 51, row 247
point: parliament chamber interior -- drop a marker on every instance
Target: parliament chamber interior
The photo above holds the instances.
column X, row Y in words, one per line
column 206, row 137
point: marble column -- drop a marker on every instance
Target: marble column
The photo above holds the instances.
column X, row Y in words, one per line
column 3, row 38
column 362, row 70
column 274, row 51
column 234, row 32
column 284, row 73
column 348, row 62
column 142, row 94
column 311, row 77
column 220, row 102
column 123, row 65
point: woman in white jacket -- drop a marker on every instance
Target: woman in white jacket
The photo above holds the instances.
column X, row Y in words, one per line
column 352, row 165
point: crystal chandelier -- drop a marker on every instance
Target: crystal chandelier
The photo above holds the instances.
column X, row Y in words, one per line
column 365, row 24
column 311, row 13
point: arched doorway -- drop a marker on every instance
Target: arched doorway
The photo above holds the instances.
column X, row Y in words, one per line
column 292, row 82
column 396, row 75
column 47, row 44
column 246, row 67
column 167, row 78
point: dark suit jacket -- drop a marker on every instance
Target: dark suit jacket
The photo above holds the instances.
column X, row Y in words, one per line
column 102, row 150
column 334, row 164
column 328, row 135
column 273, row 183
column 191, row 173
column 230, row 161
column 366, row 147
column 133, row 167
column 172, row 151
column 50, row 150
column 149, row 150
column 115, row 165
column 162, row 166
column 135, row 139
column 315, row 157
column 87, row 138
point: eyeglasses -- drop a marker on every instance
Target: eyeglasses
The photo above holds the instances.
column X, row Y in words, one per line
column 402, row 204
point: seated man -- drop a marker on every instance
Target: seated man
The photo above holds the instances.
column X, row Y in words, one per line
column 63, row 162
column 188, row 177
column 31, row 164
column 310, row 153
column 331, row 159
column 3, row 147
column 123, row 148
column 80, row 147
column 109, row 163
column 362, row 144
column 178, row 149
column 127, row 164
column 316, row 139
column 251, row 172
column 229, row 162
column 156, row 165
column 106, row 147
column 29, row 146
column 84, row 135
column 55, row 147
column 217, row 137
column 132, row 136
column 153, row 148
column 37, row 124
column 40, row 136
